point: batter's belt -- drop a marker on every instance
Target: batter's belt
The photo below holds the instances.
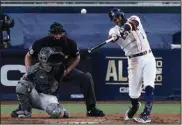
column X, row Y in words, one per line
column 140, row 54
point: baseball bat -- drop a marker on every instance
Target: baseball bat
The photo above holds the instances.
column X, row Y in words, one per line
column 99, row 45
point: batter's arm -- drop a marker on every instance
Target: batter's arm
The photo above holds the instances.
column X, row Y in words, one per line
column 132, row 23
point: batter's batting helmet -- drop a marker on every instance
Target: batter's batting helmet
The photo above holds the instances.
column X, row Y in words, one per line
column 117, row 13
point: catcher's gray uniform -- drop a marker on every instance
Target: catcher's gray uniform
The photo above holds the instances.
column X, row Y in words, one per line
column 37, row 89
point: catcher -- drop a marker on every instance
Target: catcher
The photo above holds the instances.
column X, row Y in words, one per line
column 38, row 87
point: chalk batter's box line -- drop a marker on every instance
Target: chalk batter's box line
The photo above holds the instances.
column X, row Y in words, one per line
column 117, row 83
column 117, row 57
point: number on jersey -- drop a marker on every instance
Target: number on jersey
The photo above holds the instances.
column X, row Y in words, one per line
column 123, row 34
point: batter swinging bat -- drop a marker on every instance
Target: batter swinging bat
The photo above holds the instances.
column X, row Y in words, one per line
column 99, row 45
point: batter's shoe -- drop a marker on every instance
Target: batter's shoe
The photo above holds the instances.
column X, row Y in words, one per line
column 132, row 111
column 143, row 118
column 94, row 112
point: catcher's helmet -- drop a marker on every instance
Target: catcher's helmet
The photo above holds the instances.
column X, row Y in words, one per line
column 116, row 13
column 56, row 28
column 51, row 56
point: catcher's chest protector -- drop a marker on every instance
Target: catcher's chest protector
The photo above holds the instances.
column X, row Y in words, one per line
column 43, row 81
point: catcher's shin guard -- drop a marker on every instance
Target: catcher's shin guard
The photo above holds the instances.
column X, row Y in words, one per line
column 23, row 89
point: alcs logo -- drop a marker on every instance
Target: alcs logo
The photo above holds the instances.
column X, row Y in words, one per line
column 8, row 68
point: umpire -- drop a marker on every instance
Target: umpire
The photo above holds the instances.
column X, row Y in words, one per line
column 57, row 38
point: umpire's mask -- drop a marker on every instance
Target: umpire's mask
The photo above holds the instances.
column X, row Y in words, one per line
column 50, row 57
column 57, row 31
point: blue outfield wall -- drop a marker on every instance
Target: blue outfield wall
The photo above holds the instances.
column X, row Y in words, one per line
column 32, row 23
column 91, row 29
column 109, row 69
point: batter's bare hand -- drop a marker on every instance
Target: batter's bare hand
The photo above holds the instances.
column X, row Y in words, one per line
column 115, row 37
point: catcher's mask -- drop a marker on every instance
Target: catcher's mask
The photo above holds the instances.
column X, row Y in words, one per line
column 50, row 57
column 117, row 16
column 56, row 30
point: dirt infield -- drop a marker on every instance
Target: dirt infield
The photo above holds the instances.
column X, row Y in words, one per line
column 115, row 118
column 82, row 119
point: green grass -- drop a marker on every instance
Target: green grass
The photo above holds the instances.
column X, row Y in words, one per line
column 107, row 108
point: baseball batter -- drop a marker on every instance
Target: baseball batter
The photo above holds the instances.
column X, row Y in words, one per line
column 131, row 37
column 38, row 87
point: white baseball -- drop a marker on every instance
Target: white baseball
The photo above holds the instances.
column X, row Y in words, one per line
column 83, row 11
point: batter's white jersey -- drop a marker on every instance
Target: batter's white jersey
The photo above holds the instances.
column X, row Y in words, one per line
column 132, row 42
column 141, row 68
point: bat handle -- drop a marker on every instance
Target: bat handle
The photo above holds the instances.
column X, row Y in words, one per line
column 100, row 45
column 109, row 40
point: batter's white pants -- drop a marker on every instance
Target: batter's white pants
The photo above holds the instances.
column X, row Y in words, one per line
column 141, row 68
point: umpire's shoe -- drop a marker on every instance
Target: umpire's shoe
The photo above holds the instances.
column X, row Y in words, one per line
column 18, row 113
column 132, row 111
column 143, row 118
column 94, row 112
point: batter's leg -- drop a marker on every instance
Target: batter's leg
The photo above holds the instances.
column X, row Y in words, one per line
column 135, row 86
column 149, row 75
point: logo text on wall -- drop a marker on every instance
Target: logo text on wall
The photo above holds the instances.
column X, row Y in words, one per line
column 5, row 69
column 117, row 74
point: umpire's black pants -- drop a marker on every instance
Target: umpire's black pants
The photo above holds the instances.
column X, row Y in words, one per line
column 86, row 83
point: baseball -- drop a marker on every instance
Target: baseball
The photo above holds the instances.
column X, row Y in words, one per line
column 83, row 11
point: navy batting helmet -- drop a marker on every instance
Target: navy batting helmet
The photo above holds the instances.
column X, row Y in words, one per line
column 116, row 13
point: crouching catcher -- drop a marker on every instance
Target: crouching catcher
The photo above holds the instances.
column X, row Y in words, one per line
column 38, row 87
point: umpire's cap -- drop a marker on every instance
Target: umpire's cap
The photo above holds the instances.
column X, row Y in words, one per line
column 56, row 28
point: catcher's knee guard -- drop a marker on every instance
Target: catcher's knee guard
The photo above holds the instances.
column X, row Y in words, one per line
column 22, row 90
column 55, row 110
column 23, row 87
